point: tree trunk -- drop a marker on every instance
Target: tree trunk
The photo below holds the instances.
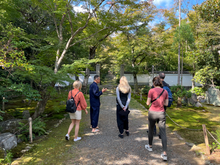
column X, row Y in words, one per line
column 182, row 69
column 135, row 83
column 178, row 81
column 92, row 52
column 179, row 102
column 85, row 81
column 39, row 109
column 76, row 77
column 193, row 82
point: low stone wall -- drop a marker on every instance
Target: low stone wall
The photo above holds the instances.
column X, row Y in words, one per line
column 213, row 96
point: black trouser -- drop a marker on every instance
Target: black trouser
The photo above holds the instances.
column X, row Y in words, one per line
column 122, row 121
column 94, row 116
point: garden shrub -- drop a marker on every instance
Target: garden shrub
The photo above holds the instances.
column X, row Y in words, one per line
column 38, row 129
column 7, row 159
column 217, row 87
column 179, row 93
column 215, row 144
column 198, row 91
column 146, row 89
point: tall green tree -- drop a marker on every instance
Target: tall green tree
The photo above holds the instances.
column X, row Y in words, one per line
column 184, row 36
column 134, row 50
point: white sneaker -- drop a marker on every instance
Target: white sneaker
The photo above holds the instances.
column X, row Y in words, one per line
column 164, row 157
column 67, row 137
column 148, row 147
column 78, row 138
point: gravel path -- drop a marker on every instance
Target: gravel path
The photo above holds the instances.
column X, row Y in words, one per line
column 106, row 147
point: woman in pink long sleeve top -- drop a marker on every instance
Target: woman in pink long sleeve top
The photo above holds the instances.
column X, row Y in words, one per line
column 81, row 105
column 158, row 98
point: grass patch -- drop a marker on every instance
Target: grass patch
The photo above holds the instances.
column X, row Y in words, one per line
column 53, row 149
column 134, row 104
column 189, row 117
column 50, row 150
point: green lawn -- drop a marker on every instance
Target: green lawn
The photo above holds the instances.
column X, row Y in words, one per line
column 53, row 149
column 192, row 118
column 50, row 149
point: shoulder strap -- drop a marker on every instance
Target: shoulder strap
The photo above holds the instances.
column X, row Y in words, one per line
column 158, row 96
column 79, row 100
column 76, row 94
column 71, row 93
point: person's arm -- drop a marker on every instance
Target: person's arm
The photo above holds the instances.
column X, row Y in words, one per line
column 128, row 100
column 96, row 91
column 118, row 98
column 82, row 100
column 166, row 99
column 149, row 97
column 166, row 102
column 148, row 101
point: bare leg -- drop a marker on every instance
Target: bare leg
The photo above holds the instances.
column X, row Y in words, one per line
column 76, row 128
column 71, row 126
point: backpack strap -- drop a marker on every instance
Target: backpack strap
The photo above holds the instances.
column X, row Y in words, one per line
column 76, row 93
column 79, row 100
column 157, row 97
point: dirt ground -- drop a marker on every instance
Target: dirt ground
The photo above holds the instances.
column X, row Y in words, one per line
column 106, row 147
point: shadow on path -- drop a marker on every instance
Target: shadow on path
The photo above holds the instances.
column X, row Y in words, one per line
column 106, row 147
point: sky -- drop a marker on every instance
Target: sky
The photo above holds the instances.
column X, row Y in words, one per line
column 169, row 3
column 166, row 4
column 160, row 4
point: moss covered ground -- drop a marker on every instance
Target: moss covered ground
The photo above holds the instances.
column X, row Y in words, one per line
column 192, row 118
column 53, row 148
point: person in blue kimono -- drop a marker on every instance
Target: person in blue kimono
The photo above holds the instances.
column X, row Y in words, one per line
column 95, row 94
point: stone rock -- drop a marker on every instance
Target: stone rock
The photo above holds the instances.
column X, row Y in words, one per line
column 23, row 151
column 195, row 148
column 198, row 104
column 193, row 99
column 201, row 99
column 213, row 96
column 19, row 141
column 190, row 144
column 178, row 136
column 26, row 114
column 62, row 103
column 10, row 125
column 8, row 141
column 207, row 97
column 184, row 101
column 28, row 147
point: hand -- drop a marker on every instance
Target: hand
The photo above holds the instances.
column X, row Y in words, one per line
column 124, row 108
column 104, row 89
column 86, row 111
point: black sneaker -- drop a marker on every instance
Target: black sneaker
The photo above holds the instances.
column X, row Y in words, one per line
column 155, row 134
column 120, row 135
column 127, row 133
column 67, row 137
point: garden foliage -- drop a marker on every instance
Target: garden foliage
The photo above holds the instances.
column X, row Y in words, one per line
column 38, row 129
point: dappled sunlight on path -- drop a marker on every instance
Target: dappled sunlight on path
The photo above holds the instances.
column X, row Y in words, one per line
column 107, row 148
